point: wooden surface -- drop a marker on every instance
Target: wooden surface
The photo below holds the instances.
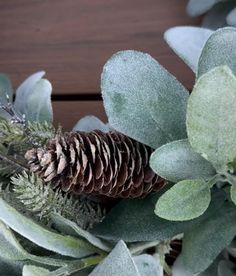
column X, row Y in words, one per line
column 72, row 39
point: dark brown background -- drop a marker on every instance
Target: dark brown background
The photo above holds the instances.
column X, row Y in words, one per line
column 72, row 39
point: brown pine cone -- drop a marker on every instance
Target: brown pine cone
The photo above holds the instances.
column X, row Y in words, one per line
column 110, row 164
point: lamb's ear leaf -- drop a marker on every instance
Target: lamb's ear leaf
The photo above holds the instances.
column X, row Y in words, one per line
column 64, row 245
column 118, row 262
column 226, row 268
column 212, row 55
column 10, row 247
column 29, row 270
column 203, row 243
column 198, row 7
column 90, row 123
column 233, row 193
column 211, row 116
column 23, row 91
column 143, row 100
column 177, row 161
column 6, row 90
column 187, row 42
column 231, row 18
column 38, row 103
column 148, row 265
column 216, row 17
column 188, row 199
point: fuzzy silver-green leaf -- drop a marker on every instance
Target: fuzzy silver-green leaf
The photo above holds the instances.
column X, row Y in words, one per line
column 177, row 161
column 143, row 100
column 211, row 116
column 219, row 50
column 188, row 199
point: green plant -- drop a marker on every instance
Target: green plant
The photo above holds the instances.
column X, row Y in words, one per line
column 218, row 13
column 45, row 231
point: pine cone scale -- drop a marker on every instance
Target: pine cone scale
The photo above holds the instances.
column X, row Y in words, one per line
column 110, row 163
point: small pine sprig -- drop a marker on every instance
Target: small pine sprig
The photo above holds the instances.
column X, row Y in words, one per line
column 16, row 138
column 42, row 201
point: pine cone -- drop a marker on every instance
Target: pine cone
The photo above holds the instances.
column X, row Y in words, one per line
column 110, row 164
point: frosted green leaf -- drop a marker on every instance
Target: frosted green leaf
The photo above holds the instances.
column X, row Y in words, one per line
column 38, row 103
column 31, row 270
column 198, row 7
column 24, row 90
column 177, row 161
column 216, row 17
column 73, row 229
column 211, row 116
column 10, row 247
column 64, row 245
column 90, row 123
column 6, row 91
column 148, row 265
column 233, row 193
column 206, row 240
column 143, row 100
column 188, row 199
column 118, row 262
column 187, row 42
column 226, row 268
column 231, row 18
column 219, row 50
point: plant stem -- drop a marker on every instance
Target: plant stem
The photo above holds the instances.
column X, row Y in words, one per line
column 141, row 246
column 75, row 266
column 13, row 162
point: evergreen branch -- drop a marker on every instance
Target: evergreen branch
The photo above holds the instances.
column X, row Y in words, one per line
column 42, row 201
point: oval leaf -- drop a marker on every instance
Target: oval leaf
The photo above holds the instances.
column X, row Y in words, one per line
column 177, row 161
column 143, row 100
column 188, row 42
column 90, row 123
column 118, row 262
column 38, row 103
column 198, row 7
column 26, row 227
column 24, row 90
column 219, row 50
column 231, row 18
column 186, row 200
column 216, row 17
column 148, row 265
column 211, row 116
column 205, row 241
column 6, row 91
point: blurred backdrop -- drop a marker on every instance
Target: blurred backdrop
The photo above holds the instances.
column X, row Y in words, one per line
column 72, row 39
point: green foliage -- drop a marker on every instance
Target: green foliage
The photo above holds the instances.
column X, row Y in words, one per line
column 29, row 270
column 222, row 11
column 16, row 139
column 208, row 239
column 42, row 201
column 133, row 220
column 33, row 99
column 143, row 100
column 187, row 42
column 186, row 200
column 118, row 262
column 211, row 116
column 6, row 91
column 212, row 56
column 177, row 161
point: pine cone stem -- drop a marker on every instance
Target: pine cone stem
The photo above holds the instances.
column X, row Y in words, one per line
column 110, row 164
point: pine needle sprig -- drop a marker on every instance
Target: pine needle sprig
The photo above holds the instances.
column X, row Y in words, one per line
column 17, row 138
column 42, row 201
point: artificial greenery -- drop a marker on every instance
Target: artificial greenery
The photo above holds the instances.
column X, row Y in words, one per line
column 217, row 13
column 44, row 231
